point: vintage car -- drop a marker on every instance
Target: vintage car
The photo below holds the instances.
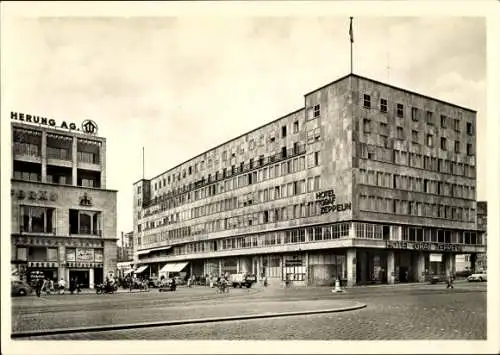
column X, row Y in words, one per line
column 20, row 288
column 478, row 277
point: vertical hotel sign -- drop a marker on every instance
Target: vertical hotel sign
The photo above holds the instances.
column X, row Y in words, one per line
column 87, row 126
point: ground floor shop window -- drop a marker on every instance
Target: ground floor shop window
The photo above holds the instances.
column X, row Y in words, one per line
column 39, row 274
column 229, row 266
column 82, row 277
column 271, row 266
column 294, row 268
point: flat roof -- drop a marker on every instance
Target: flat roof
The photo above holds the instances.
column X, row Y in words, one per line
column 393, row 87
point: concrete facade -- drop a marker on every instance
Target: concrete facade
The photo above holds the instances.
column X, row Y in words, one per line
column 63, row 218
column 362, row 185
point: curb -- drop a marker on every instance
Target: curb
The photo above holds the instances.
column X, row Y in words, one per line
column 112, row 327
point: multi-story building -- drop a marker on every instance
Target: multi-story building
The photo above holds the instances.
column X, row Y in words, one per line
column 125, row 251
column 481, row 262
column 366, row 183
column 63, row 217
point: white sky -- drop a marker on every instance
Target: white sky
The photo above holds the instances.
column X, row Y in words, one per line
column 181, row 85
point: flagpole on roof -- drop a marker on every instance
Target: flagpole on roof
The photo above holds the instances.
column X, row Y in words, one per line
column 351, row 38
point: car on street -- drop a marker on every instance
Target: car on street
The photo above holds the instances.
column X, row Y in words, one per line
column 479, row 277
column 20, row 288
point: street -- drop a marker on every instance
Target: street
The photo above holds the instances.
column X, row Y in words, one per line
column 409, row 312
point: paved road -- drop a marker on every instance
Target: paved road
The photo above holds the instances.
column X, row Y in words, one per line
column 404, row 312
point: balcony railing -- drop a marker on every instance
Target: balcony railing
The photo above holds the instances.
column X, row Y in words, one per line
column 28, row 149
column 58, row 153
column 237, row 170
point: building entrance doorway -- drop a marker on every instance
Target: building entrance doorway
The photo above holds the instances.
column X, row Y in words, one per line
column 403, row 274
column 82, row 277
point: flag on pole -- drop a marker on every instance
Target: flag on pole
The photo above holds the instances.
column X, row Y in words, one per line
column 351, row 35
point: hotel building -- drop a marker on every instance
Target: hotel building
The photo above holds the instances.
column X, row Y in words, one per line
column 63, row 218
column 367, row 183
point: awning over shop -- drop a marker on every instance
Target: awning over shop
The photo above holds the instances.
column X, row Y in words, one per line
column 128, row 271
column 174, row 267
column 144, row 252
column 141, row 269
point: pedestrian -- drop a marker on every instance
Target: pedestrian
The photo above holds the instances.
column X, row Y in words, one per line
column 38, row 285
column 62, row 285
column 449, row 282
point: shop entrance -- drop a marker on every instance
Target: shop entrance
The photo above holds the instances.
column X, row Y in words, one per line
column 98, row 276
column 404, row 274
column 82, row 277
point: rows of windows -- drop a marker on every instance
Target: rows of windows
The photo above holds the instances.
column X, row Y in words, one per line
column 416, row 137
column 415, row 160
column 417, row 114
column 273, row 193
column 300, row 235
column 284, row 168
column 416, row 184
column 279, row 214
column 213, row 163
column 415, row 234
column 416, row 208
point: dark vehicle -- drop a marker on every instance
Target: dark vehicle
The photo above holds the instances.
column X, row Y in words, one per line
column 168, row 285
column 105, row 288
column 20, row 288
column 243, row 279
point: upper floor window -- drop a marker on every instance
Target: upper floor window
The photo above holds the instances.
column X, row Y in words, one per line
column 470, row 129
column 366, row 125
column 470, row 150
column 316, row 111
column 86, row 157
column 414, row 114
column 456, row 125
column 400, row 111
column 457, row 146
column 383, row 105
column 429, row 117
column 37, row 219
column 414, row 136
column 443, row 121
column 430, row 140
column 296, row 127
column 443, row 143
column 366, row 101
column 139, row 188
column 84, row 222
column 283, row 132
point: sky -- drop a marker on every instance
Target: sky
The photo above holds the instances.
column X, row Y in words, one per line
column 178, row 86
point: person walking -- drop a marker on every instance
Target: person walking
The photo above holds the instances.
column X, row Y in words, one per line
column 62, row 286
column 39, row 285
column 449, row 283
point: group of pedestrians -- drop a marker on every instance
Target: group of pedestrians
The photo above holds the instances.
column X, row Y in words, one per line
column 47, row 286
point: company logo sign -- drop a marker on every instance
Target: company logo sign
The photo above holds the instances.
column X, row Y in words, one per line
column 89, row 127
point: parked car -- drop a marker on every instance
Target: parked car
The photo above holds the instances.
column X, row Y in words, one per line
column 20, row 288
column 479, row 277
column 154, row 282
column 242, row 279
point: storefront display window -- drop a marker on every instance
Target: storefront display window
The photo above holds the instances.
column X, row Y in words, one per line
column 293, row 268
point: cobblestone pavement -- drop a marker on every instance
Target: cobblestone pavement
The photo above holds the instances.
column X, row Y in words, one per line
column 411, row 313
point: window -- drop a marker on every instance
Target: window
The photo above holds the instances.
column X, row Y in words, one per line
column 37, row 219
column 470, row 129
column 457, row 146
column 283, row 132
column 316, row 111
column 366, row 101
column 316, row 158
column 296, row 127
column 456, row 125
column 283, row 152
column 138, row 189
column 414, row 114
column 400, row 133
column 429, row 118
column 366, row 125
column 86, row 157
column 443, row 143
column 400, row 111
column 430, row 140
column 84, row 222
column 470, row 150
column 383, row 105
column 414, row 136
column 443, row 121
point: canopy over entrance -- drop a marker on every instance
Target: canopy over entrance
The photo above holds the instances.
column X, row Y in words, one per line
column 174, row 267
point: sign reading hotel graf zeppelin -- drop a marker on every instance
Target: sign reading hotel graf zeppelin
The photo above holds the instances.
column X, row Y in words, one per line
column 327, row 202
column 424, row 246
column 88, row 126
